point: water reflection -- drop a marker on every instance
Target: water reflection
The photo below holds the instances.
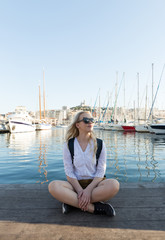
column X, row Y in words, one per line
column 131, row 156
column 20, row 143
column 43, row 139
column 50, row 143
column 158, row 139
column 138, row 158
column 38, row 156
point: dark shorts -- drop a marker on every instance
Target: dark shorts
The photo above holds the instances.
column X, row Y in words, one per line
column 85, row 182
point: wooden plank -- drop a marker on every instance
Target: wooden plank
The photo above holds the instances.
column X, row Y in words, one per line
column 133, row 192
column 23, row 186
column 143, row 185
column 26, row 193
column 43, row 193
column 55, row 216
column 49, row 202
column 45, row 186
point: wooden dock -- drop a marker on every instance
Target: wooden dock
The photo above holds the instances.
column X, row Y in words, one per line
column 27, row 211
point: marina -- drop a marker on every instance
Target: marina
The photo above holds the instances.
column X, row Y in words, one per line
column 59, row 58
column 37, row 157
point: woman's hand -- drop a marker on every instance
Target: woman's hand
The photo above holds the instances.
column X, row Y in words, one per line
column 84, row 198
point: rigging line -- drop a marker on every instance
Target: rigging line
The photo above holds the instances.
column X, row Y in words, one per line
column 103, row 115
column 95, row 101
column 104, row 107
column 130, row 98
column 116, row 98
column 144, row 91
column 156, row 92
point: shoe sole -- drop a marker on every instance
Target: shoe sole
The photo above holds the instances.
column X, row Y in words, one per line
column 63, row 209
column 114, row 213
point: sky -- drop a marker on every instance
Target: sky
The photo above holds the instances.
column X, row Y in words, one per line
column 82, row 46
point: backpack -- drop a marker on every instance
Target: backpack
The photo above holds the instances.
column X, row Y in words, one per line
column 99, row 148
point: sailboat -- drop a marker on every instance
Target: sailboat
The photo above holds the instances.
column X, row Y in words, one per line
column 141, row 125
column 157, row 128
column 43, row 124
column 115, row 125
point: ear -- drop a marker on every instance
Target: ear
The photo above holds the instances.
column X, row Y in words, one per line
column 77, row 125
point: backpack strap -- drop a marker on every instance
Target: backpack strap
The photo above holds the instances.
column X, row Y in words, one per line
column 71, row 147
column 99, row 148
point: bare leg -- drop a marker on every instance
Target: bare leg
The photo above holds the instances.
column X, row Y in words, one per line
column 64, row 192
column 105, row 190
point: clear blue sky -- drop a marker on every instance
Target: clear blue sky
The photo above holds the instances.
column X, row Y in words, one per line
column 80, row 45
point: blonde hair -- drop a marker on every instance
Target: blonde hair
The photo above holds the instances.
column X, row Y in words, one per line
column 73, row 131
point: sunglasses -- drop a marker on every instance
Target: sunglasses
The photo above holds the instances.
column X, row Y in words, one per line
column 87, row 120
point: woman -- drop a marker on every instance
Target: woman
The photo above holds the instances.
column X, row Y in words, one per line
column 86, row 187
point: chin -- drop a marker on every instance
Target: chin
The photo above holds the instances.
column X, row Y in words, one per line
column 90, row 129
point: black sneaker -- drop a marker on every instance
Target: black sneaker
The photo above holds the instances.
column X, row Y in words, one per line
column 66, row 208
column 104, row 208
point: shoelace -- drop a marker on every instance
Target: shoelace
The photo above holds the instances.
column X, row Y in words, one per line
column 101, row 210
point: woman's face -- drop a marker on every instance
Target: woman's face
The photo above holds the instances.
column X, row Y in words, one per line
column 85, row 123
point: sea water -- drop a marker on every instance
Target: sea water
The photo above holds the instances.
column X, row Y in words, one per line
column 37, row 157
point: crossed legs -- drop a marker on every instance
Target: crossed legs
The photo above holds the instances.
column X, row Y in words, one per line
column 64, row 192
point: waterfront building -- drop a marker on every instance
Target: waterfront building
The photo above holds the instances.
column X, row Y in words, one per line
column 20, row 109
column 66, row 115
column 2, row 117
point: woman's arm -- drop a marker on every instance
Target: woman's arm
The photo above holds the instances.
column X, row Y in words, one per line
column 94, row 183
column 84, row 195
column 68, row 166
column 75, row 184
column 85, row 198
column 82, row 200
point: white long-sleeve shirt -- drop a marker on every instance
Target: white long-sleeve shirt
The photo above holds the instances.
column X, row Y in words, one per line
column 84, row 163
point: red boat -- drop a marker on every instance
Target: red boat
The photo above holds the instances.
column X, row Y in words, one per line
column 128, row 128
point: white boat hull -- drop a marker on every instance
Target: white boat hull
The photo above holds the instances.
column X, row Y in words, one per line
column 142, row 128
column 112, row 127
column 15, row 127
column 116, row 127
column 106, row 127
column 158, row 128
column 96, row 127
column 61, row 126
column 20, row 122
column 43, row 126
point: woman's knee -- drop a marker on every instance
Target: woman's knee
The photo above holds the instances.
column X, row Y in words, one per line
column 53, row 186
column 113, row 185
column 116, row 185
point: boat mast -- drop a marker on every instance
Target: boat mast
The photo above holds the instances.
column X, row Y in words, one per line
column 44, row 91
column 93, row 110
column 138, row 96
column 146, row 104
column 99, row 110
column 124, row 97
column 151, row 111
column 40, row 101
column 152, row 91
column 115, row 97
column 134, row 111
